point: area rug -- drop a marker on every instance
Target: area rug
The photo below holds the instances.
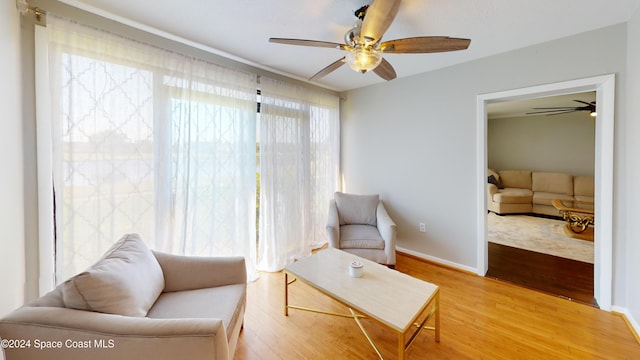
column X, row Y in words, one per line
column 537, row 234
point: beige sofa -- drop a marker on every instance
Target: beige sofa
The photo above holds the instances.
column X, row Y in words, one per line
column 523, row 191
column 135, row 304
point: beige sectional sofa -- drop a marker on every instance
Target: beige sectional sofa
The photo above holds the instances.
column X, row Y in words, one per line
column 135, row 304
column 523, row 191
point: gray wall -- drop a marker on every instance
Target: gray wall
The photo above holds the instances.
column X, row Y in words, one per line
column 414, row 140
column 559, row 143
column 12, row 270
column 631, row 216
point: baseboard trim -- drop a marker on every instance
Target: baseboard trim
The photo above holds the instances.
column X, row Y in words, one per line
column 633, row 325
column 438, row 261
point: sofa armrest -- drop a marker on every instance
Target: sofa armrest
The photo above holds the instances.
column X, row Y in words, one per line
column 492, row 189
column 333, row 225
column 91, row 335
column 388, row 230
column 194, row 272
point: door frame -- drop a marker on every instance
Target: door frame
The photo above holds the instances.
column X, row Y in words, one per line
column 604, row 86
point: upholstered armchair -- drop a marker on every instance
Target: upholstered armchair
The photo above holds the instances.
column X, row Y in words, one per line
column 359, row 224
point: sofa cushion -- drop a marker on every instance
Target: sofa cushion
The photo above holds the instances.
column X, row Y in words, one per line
column 360, row 237
column 516, row 179
column 559, row 183
column 584, row 202
column 583, row 186
column 491, row 172
column 513, row 196
column 51, row 299
column 222, row 302
column 125, row 281
column 544, row 198
column 356, row 209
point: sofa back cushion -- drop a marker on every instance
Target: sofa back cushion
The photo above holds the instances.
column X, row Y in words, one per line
column 127, row 280
column 51, row 299
column 520, row 179
column 357, row 209
column 583, row 185
column 557, row 183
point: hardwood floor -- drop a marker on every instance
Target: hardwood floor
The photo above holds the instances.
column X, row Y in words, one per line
column 551, row 274
column 481, row 318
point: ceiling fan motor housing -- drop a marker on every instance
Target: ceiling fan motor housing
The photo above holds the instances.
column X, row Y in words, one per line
column 352, row 35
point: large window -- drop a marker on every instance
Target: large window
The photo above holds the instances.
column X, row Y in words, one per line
column 105, row 169
column 299, row 142
column 149, row 141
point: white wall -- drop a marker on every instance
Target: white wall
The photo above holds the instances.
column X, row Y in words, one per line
column 633, row 168
column 12, row 273
column 562, row 143
column 413, row 140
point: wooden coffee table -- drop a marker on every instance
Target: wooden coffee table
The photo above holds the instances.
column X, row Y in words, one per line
column 579, row 216
column 398, row 301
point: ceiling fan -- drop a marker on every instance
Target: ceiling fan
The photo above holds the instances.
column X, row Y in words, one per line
column 588, row 106
column 362, row 42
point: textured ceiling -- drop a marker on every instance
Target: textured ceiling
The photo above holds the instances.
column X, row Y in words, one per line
column 241, row 28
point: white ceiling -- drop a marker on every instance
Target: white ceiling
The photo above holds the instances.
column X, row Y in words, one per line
column 241, row 28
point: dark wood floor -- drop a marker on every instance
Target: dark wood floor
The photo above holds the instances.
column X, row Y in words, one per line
column 546, row 273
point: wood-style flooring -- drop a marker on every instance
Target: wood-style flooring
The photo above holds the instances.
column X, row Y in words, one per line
column 481, row 318
column 554, row 275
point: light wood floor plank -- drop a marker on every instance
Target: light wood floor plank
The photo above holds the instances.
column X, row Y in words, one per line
column 481, row 318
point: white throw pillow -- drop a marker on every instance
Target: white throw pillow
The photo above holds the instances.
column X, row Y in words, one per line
column 127, row 280
column 357, row 209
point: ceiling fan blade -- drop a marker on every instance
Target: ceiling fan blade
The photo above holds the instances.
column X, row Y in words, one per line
column 379, row 17
column 552, row 112
column 424, row 44
column 556, row 108
column 385, row 70
column 315, row 43
column 593, row 103
column 562, row 112
column 328, row 69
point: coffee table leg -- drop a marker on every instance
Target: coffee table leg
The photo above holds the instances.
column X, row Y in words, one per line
column 364, row 331
column 437, row 305
column 401, row 346
column 286, row 294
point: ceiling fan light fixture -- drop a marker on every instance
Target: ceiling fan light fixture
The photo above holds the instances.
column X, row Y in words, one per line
column 363, row 46
column 363, row 60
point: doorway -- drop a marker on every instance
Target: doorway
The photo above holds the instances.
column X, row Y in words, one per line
column 604, row 86
column 528, row 243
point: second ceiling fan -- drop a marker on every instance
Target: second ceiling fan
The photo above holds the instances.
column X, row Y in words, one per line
column 362, row 42
column 558, row 110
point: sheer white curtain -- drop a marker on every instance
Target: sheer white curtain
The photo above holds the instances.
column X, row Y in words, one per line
column 299, row 164
column 146, row 140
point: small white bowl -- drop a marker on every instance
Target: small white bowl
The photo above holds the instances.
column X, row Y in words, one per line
column 355, row 270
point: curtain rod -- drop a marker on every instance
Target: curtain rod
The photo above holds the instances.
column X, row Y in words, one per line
column 24, row 8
